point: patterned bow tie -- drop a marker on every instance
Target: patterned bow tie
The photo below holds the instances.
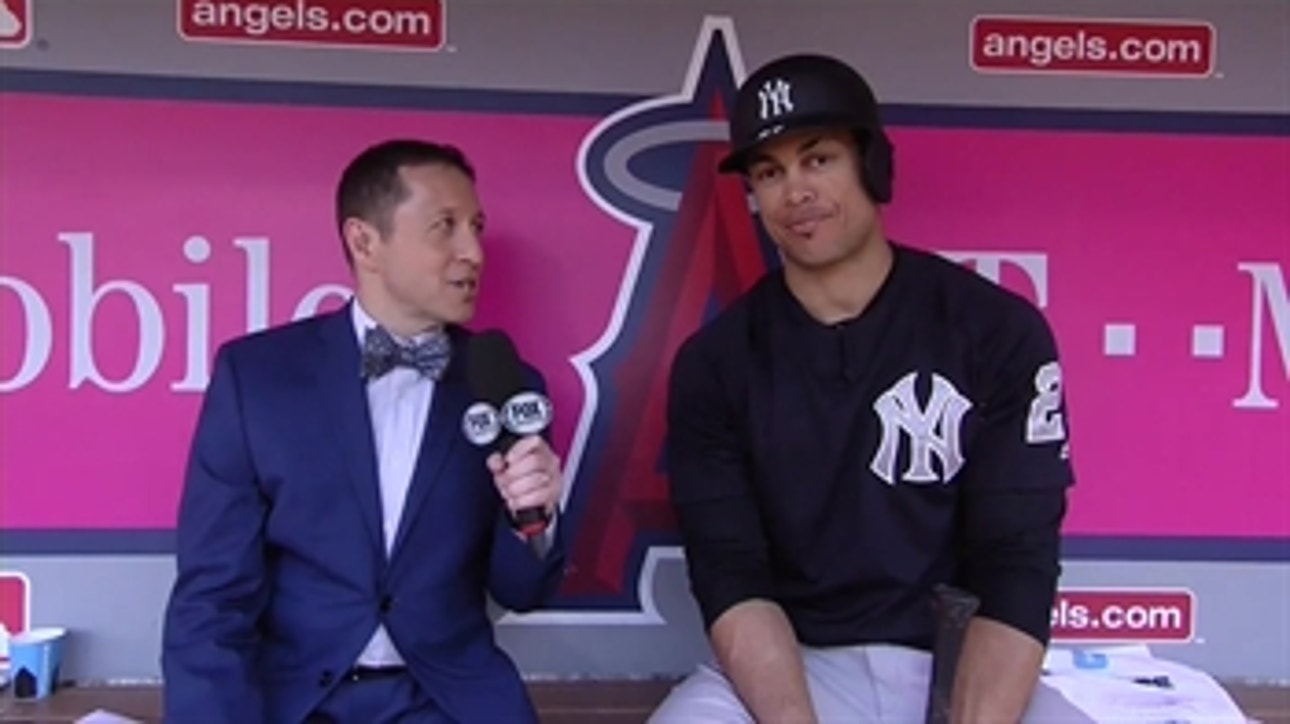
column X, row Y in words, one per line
column 381, row 353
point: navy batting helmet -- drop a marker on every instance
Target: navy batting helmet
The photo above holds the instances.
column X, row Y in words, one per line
column 811, row 91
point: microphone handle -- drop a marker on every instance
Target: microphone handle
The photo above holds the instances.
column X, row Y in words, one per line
column 530, row 522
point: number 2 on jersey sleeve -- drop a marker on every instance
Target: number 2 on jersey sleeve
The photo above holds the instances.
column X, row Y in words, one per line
column 1044, row 423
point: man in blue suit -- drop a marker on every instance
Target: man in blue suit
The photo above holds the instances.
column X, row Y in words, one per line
column 338, row 538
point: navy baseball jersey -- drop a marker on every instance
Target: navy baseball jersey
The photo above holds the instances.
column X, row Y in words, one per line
column 844, row 470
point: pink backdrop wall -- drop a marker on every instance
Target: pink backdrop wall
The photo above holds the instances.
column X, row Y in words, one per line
column 230, row 205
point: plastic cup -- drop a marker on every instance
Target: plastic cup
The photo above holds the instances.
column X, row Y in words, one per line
column 35, row 661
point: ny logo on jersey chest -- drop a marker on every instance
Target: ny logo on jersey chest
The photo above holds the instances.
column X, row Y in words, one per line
column 934, row 430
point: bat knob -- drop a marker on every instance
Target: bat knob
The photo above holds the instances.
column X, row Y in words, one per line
column 954, row 606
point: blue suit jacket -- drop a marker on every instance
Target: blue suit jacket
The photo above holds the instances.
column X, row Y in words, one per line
column 282, row 574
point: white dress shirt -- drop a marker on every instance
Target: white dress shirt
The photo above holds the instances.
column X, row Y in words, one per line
column 399, row 402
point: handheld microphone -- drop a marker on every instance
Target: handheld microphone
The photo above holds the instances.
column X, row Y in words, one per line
column 504, row 411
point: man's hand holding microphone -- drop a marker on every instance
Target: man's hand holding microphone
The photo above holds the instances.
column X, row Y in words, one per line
column 528, row 476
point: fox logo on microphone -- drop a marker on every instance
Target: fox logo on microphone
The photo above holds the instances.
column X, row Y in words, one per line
column 526, row 413
column 481, row 424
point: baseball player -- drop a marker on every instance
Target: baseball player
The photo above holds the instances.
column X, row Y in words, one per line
column 868, row 421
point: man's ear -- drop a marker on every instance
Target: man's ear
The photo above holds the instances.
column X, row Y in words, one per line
column 361, row 240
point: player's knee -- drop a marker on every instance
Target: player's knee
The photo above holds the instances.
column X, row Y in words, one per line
column 702, row 697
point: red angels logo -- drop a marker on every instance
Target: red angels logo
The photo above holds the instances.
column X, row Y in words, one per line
column 15, row 23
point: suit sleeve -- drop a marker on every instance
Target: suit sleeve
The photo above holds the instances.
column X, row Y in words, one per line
column 1015, row 493
column 725, row 547
column 210, row 636
column 517, row 579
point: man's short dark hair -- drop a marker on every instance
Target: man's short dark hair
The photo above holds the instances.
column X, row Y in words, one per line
column 370, row 187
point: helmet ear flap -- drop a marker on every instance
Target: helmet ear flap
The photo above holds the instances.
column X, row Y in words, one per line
column 877, row 164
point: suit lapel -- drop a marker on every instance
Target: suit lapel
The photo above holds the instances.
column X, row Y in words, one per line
column 341, row 384
column 442, row 435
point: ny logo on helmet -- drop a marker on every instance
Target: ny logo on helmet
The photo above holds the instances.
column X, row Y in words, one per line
column 776, row 98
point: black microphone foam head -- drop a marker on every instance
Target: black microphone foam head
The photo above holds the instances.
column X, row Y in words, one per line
column 493, row 367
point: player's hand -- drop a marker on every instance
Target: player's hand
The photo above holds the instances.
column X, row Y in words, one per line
column 529, row 475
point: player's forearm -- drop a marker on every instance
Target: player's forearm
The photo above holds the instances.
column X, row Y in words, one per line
column 996, row 674
column 755, row 645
